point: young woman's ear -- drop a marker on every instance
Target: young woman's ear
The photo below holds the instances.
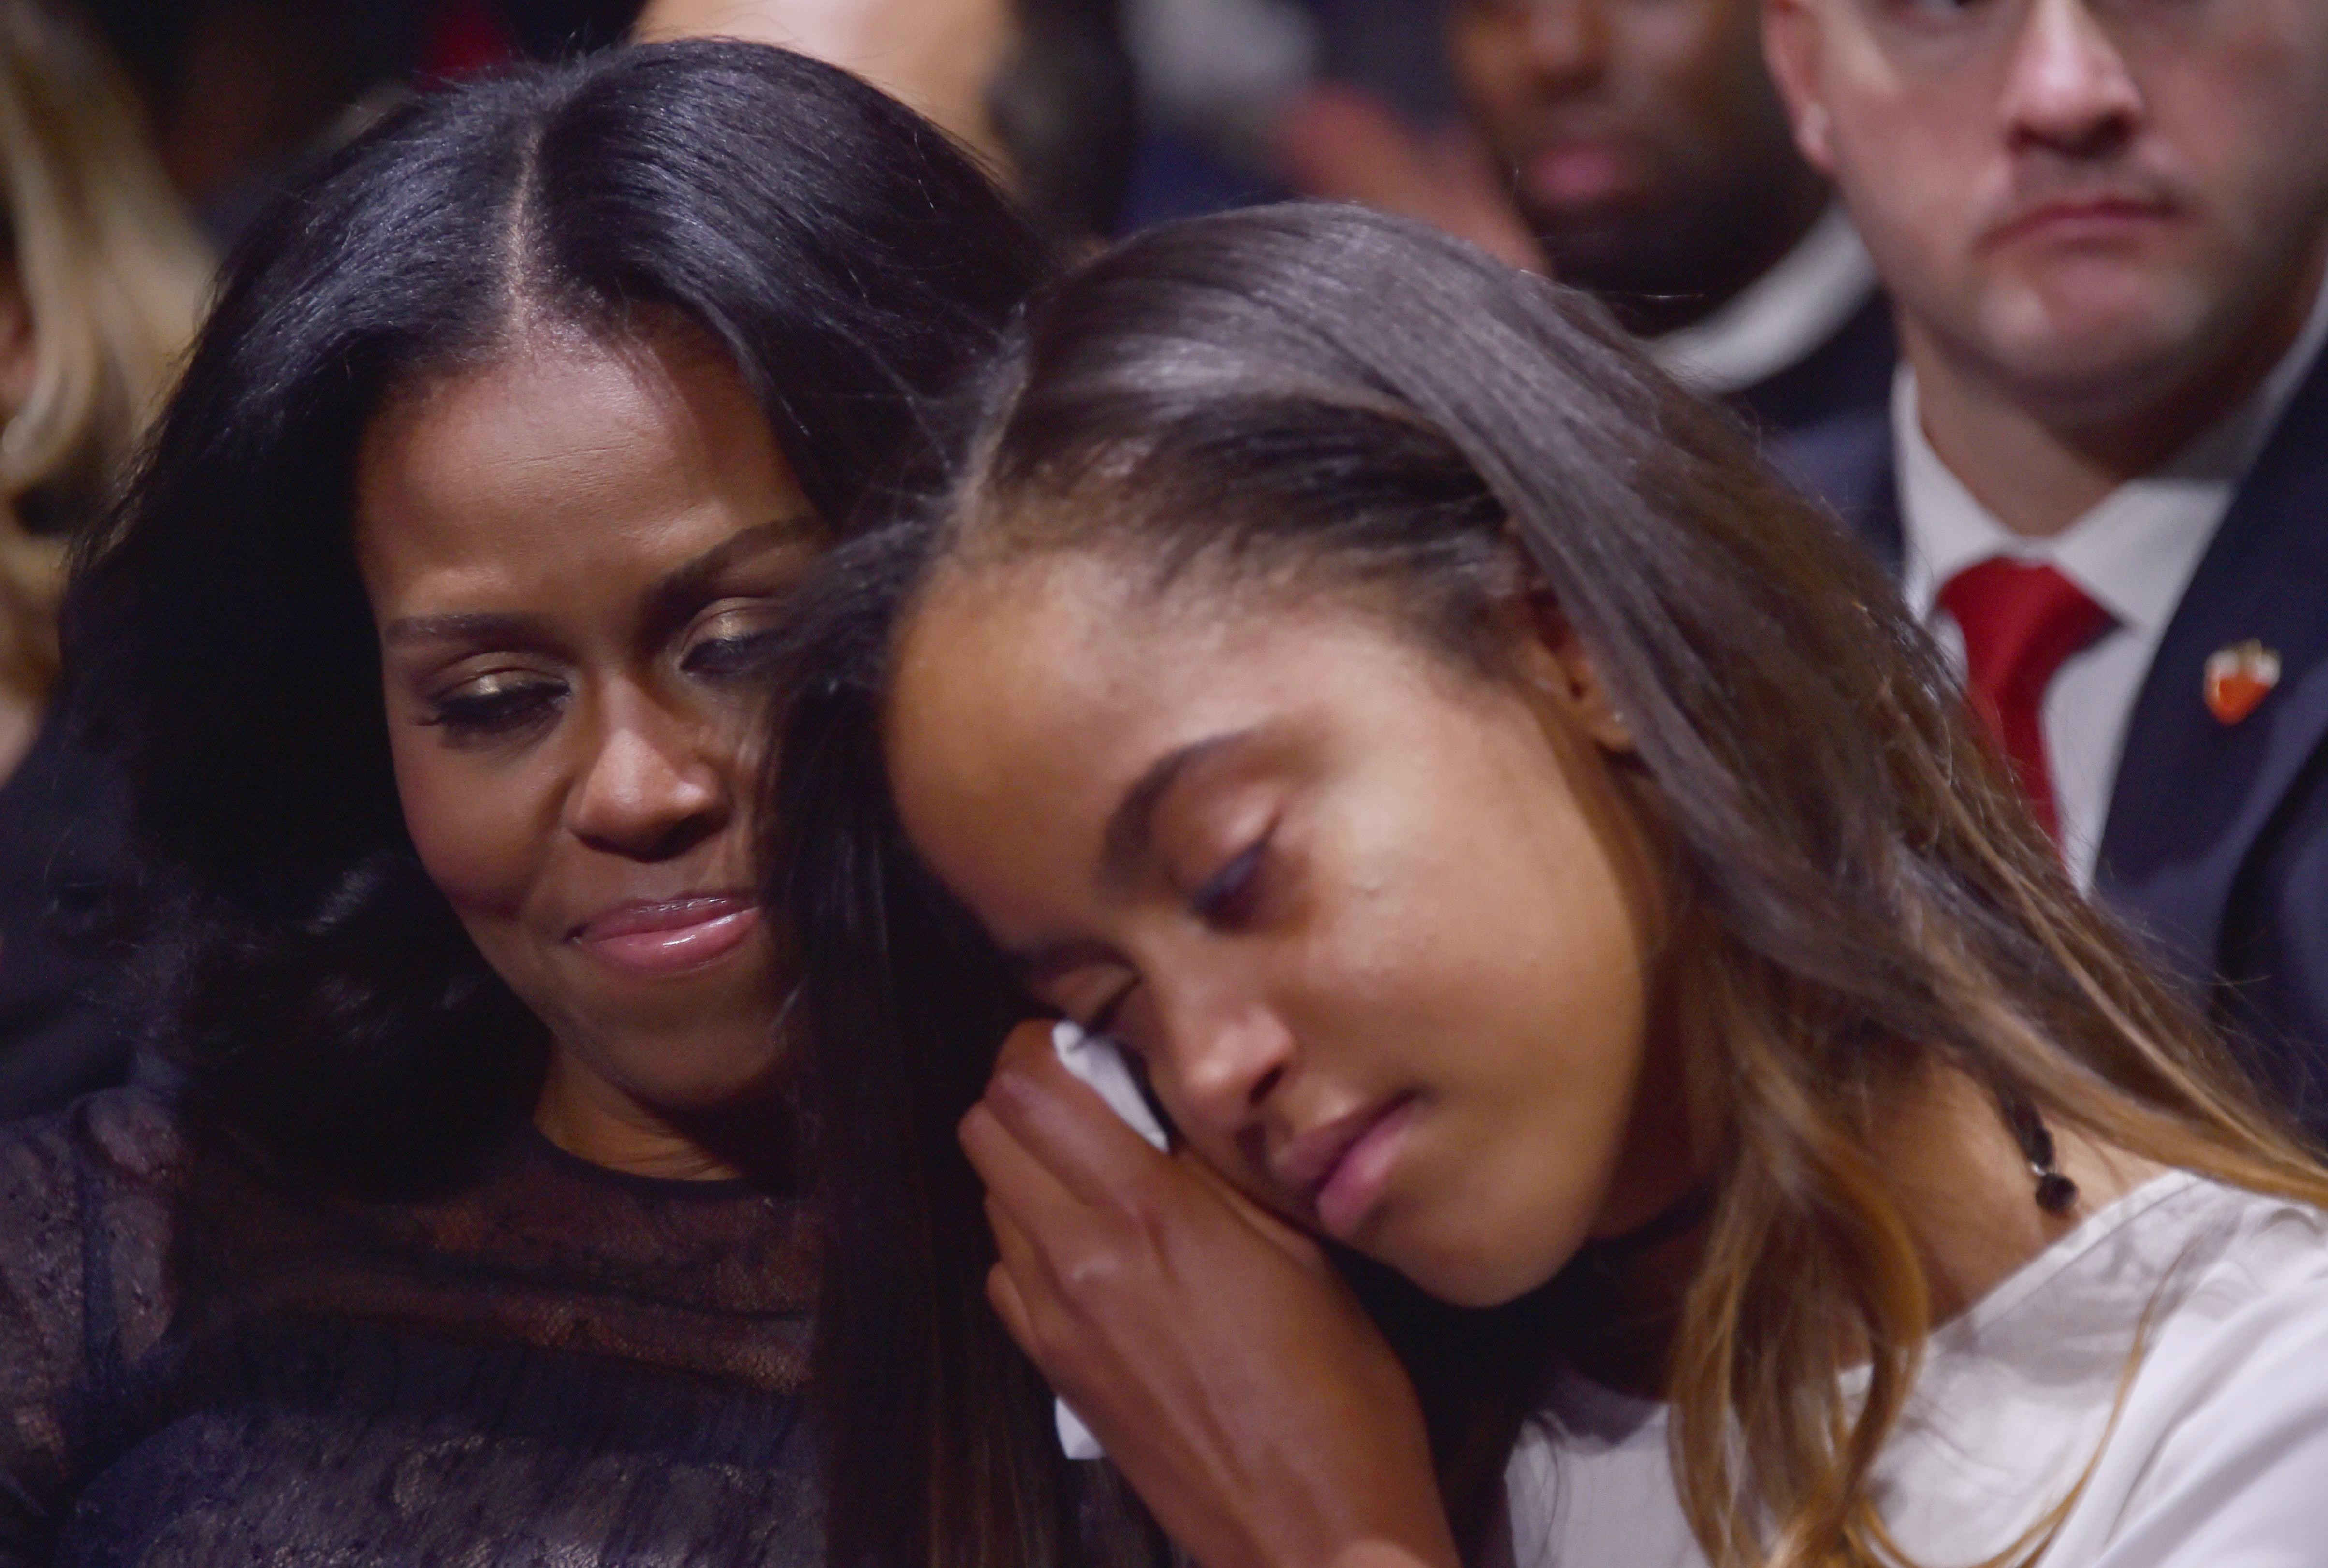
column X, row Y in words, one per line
column 1556, row 662
column 20, row 350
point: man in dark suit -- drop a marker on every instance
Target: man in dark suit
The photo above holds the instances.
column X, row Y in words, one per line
column 2104, row 472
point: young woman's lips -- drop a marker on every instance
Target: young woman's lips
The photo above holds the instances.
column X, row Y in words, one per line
column 670, row 936
column 1354, row 1184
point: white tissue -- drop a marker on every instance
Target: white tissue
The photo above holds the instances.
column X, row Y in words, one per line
column 1099, row 1062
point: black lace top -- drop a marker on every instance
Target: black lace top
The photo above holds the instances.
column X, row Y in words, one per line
column 560, row 1365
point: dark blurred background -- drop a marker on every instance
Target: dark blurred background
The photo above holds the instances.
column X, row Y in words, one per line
column 240, row 90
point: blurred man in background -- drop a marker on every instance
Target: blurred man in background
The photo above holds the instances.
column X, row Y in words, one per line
column 1041, row 90
column 1637, row 150
column 2104, row 472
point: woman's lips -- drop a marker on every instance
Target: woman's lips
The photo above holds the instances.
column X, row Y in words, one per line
column 1345, row 1165
column 670, row 936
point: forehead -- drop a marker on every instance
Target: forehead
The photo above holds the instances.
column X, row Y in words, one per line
column 1040, row 678
column 566, row 455
column 1930, row 44
column 1028, row 698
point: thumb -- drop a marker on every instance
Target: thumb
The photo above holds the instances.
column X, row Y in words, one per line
column 1298, row 1246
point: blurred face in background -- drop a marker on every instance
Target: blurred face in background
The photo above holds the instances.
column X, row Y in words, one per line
column 575, row 555
column 940, row 56
column 2085, row 205
column 1647, row 145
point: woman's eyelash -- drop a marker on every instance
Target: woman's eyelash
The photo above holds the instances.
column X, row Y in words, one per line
column 1227, row 896
column 1103, row 1022
column 494, row 710
column 749, row 653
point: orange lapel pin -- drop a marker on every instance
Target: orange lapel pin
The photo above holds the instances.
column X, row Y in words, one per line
column 2239, row 678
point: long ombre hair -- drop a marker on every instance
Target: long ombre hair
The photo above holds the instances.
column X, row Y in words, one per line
column 1327, row 395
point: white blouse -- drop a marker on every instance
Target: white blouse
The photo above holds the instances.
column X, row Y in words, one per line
column 2218, row 1457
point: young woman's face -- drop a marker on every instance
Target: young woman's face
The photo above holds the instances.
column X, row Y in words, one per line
column 1379, row 927
column 573, row 555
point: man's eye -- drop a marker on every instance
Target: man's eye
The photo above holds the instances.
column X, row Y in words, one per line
column 494, row 707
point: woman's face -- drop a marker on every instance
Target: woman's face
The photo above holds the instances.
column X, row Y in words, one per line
column 573, row 555
column 1379, row 927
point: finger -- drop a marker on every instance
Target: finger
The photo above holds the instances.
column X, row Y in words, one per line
column 1062, row 1121
column 1047, row 1229
column 1296, row 1243
column 1014, row 1177
column 1002, row 1294
column 1025, row 1290
column 1027, row 1042
column 1018, row 1252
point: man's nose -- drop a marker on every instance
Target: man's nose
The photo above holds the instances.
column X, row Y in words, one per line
column 2067, row 87
column 1568, row 40
column 651, row 786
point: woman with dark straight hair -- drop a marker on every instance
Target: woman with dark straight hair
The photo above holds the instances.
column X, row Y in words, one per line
column 432, row 638
column 1640, row 1088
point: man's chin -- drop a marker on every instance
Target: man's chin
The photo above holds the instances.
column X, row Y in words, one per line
column 2098, row 352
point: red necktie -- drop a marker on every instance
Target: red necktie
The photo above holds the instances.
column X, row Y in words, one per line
column 2019, row 621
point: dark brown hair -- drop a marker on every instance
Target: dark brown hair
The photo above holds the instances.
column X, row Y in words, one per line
column 1332, row 397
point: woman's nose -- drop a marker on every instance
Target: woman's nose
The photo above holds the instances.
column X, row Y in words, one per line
column 1228, row 1061
column 651, row 786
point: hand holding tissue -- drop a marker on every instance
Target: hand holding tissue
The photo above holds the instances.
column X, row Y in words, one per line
column 1100, row 1062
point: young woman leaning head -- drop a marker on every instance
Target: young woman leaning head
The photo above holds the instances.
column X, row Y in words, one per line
column 1520, row 844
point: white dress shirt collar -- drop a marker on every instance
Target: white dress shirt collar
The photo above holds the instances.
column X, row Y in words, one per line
column 1778, row 319
column 2134, row 554
column 2135, row 551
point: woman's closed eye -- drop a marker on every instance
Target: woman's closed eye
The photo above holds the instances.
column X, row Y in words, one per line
column 1230, row 896
column 733, row 647
column 496, row 707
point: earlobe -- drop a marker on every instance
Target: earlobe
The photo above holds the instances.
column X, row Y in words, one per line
column 1790, row 44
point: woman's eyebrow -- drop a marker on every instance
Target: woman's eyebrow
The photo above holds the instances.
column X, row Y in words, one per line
column 673, row 598
column 1131, row 827
column 463, row 628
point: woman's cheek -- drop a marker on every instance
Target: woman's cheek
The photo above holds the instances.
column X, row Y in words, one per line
column 469, row 823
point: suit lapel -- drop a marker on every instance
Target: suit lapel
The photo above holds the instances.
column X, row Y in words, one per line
column 2193, row 795
column 1845, row 463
